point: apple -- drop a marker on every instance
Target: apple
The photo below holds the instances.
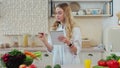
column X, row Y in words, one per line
column 22, row 66
column 32, row 66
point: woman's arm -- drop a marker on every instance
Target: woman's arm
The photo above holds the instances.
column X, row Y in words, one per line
column 75, row 45
column 72, row 47
column 69, row 44
column 45, row 41
column 77, row 39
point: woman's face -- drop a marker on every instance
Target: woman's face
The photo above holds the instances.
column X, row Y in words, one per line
column 59, row 14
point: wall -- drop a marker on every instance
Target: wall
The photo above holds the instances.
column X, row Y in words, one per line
column 111, row 22
column 93, row 27
column 17, row 15
column 23, row 16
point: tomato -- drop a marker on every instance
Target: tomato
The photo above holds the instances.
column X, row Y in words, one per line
column 112, row 64
column 102, row 63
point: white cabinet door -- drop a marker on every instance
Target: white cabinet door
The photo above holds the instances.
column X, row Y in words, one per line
column 96, row 56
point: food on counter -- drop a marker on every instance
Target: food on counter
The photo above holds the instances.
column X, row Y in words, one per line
column 113, row 64
column 111, row 61
column 30, row 54
column 28, row 60
column 97, row 66
column 22, row 66
column 38, row 54
column 25, row 66
column 13, row 59
column 32, row 66
column 119, row 62
column 102, row 62
column 57, row 66
column 48, row 66
column 112, row 56
column 16, row 59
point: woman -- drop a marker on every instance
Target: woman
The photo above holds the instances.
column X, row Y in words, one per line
column 67, row 53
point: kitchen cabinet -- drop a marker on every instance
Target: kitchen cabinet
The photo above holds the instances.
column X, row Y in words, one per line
column 97, row 55
column 87, row 8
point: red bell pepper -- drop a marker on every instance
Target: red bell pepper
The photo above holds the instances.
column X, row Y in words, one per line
column 112, row 64
column 102, row 63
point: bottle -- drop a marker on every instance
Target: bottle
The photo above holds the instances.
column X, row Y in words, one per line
column 88, row 61
column 33, row 43
column 25, row 40
column 15, row 41
column 118, row 21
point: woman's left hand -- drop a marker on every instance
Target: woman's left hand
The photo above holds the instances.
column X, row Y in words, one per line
column 63, row 39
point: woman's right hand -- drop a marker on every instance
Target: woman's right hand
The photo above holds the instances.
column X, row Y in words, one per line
column 42, row 37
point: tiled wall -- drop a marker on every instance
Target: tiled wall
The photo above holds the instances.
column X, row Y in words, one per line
column 23, row 16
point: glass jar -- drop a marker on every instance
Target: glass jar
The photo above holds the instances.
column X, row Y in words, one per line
column 118, row 21
column 25, row 40
column 33, row 42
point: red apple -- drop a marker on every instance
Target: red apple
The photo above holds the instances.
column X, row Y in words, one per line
column 32, row 66
column 22, row 66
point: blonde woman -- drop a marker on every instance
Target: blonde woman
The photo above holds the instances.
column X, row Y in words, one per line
column 67, row 53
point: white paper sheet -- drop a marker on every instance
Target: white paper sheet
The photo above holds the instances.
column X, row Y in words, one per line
column 54, row 37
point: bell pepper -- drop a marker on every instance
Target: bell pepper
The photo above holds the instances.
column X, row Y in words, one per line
column 102, row 62
column 113, row 64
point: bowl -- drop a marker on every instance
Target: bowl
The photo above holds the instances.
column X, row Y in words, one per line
column 93, row 11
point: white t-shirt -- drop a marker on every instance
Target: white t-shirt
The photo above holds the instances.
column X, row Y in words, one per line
column 62, row 54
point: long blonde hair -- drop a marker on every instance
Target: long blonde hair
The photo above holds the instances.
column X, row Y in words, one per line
column 68, row 20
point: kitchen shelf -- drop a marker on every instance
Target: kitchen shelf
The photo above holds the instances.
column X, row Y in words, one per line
column 96, row 8
column 81, row 0
column 91, row 15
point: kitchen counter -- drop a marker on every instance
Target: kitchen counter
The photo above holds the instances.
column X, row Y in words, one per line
column 73, row 66
column 66, row 66
column 5, row 50
column 43, row 49
column 92, row 49
column 42, row 63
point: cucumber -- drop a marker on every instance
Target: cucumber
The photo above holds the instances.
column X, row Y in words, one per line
column 98, row 66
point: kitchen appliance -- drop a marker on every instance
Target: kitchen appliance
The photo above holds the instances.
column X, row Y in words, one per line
column 111, row 39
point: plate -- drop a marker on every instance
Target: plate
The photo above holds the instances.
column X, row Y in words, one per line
column 75, row 6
